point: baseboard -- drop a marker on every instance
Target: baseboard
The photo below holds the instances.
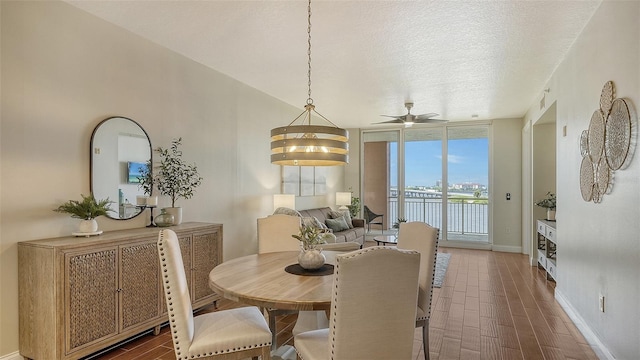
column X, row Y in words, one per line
column 464, row 245
column 505, row 248
column 598, row 347
column 12, row 356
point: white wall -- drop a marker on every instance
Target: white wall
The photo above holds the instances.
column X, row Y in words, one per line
column 63, row 71
column 599, row 244
column 506, row 175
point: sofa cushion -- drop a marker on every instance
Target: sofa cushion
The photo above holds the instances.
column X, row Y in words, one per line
column 340, row 214
column 337, row 225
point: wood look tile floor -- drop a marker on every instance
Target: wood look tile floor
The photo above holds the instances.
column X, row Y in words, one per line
column 492, row 305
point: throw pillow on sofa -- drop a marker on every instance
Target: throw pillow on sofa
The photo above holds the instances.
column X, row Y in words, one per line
column 287, row 211
column 346, row 215
column 313, row 222
column 337, row 225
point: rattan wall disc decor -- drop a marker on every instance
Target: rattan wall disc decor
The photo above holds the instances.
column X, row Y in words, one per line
column 606, row 98
column 603, row 180
column 596, row 136
column 586, row 179
column 607, row 145
column 584, row 143
column 618, row 132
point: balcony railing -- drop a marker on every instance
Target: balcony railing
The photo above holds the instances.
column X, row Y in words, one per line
column 465, row 215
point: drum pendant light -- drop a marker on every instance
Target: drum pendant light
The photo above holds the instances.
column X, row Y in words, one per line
column 306, row 144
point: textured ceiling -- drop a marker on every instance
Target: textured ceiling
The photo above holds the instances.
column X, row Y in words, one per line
column 454, row 58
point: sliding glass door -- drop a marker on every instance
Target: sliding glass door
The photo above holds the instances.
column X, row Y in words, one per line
column 438, row 175
column 468, row 178
column 423, row 190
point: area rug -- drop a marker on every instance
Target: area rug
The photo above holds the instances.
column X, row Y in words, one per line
column 442, row 262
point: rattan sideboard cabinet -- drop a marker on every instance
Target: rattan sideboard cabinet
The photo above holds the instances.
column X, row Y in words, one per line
column 80, row 295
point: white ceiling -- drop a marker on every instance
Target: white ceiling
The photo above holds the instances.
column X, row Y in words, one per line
column 456, row 58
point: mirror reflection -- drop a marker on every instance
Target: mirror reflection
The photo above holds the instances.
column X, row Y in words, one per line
column 120, row 148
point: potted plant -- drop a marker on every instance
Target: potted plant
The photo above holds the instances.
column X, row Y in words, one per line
column 396, row 225
column 88, row 209
column 310, row 256
column 175, row 178
column 354, row 208
column 549, row 202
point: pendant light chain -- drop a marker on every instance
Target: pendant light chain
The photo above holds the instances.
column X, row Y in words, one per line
column 306, row 144
column 309, row 100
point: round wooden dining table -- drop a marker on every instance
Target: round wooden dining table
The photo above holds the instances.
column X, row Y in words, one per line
column 261, row 280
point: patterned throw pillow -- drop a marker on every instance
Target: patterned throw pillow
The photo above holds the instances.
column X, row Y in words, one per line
column 322, row 225
column 313, row 222
column 337, row 225
column 338, row 214
column 287, row 211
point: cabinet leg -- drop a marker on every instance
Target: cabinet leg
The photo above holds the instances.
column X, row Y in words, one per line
column 156, row 330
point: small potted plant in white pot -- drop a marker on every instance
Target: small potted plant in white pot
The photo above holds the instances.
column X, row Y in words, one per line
column 88, row 210
column 311, row 256
column 175, row 178
column 549, row 202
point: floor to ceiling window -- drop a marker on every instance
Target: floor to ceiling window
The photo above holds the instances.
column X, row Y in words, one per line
column 468, row 183
column 423, row 190
column 412, row 174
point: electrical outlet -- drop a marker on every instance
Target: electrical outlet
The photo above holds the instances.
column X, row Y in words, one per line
column 601, row 303
column 507, row 230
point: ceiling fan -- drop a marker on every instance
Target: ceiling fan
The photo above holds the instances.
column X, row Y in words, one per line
column 410, row 119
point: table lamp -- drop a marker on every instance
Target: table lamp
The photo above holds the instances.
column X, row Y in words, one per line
column 284, row 200
column 343, row 199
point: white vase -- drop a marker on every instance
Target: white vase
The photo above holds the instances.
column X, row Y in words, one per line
column 88, row 226
column 551, row 215
column 177, row 214
column 311, row 259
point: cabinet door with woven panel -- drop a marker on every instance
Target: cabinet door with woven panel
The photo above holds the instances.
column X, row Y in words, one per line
column 185, row 250
column 207, row 253
column 91, row 285
column 140, row 293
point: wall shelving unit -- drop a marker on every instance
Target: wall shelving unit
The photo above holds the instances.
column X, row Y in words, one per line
column 547, row 248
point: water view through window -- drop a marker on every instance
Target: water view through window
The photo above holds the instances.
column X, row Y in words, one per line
column 445, row 184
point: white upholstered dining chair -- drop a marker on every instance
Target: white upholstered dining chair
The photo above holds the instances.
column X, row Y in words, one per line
column 423, row 238
column 364, row 282
column 275, row 234
column 227, row 334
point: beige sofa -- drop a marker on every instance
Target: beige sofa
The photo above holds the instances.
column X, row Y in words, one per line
column 356, row 234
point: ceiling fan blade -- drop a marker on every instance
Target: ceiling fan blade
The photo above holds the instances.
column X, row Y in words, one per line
column 425, row 121
column 399, row 117
column 396, row 121
column 426, row 116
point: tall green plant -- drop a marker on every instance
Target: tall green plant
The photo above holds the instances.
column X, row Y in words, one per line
column 175, row 178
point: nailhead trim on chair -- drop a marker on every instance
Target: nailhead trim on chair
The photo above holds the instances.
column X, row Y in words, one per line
column 169, row 298
column 173, row 320
column 335, row 291
column 433, row 277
